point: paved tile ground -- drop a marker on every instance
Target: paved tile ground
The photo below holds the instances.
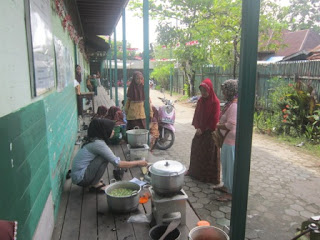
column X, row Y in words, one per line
column 284, row 182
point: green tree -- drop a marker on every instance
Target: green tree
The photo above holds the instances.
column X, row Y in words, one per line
column 177, row 25
column 215, row 24
column 271, row 26
column 161, row 73
column 131, row 53
column 304, row 14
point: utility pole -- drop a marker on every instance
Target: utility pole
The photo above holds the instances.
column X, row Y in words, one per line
column 124, row 47
column 171, row 79
column 115, row 67
column 247, row 80
column 146, row 59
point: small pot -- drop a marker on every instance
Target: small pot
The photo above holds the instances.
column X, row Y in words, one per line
column 123, row 204
column 158, row 230
column 167, row 176
column 137, row 137
column 208, row 233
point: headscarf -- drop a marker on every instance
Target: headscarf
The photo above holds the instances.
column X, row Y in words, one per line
column 136, row 92
column 119, row 118
column 116, row 115
column 230, row 88
column 99, row 129
column 101, row 112
column 112, row 112
column 206, row 115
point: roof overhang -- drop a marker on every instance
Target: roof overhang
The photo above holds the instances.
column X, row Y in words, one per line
column 99, row 17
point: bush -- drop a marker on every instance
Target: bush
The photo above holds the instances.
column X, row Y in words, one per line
column 291, row 109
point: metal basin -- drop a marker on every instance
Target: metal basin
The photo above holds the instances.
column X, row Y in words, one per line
column 123, row 204
column 137, row 137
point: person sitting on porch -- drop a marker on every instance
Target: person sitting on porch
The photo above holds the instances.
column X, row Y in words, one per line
column 91, row 161
column 116, row 115
column 102, row 112
column 154, row 127
column 78, row 93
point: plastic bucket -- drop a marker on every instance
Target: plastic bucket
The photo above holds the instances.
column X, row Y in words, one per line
column 157, row 231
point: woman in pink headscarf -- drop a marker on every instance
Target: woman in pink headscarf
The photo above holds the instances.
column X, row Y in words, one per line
column 205, row 156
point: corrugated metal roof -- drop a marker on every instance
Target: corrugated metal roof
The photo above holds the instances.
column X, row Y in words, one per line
column 100, row 17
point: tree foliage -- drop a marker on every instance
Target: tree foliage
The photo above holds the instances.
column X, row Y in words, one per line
column 131, row 54
column 215, row 24
column 304, row 14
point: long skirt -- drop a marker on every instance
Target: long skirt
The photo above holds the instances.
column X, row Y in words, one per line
column 227, row 162
column 204, row 159
column 141, row 123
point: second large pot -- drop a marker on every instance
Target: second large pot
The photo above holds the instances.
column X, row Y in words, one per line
column 123, row 204
column 167, row 176
column 137, row 137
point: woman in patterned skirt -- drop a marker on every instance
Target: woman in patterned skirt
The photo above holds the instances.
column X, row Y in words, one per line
column 205, row 156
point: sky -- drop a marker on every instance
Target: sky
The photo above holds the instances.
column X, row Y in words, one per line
column 134, row 30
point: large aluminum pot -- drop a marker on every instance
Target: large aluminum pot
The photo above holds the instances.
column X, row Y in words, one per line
column 167, row 176
column 123, row 204
column 137, row 137
column 208, row 233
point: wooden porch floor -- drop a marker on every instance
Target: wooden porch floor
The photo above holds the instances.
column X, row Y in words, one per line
column 85, row 215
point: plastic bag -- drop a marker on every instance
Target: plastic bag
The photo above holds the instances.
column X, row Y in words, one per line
column 140, row 218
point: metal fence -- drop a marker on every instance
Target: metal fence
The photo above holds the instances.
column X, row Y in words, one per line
column 306, row 71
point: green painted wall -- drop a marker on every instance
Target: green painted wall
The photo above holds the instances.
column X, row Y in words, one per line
column 37, row 135
column 25, row 182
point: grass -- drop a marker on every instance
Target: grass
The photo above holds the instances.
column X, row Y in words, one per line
column 308, row 147
column 183, row 98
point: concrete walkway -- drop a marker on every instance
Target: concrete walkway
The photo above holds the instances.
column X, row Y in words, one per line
column 284, row 187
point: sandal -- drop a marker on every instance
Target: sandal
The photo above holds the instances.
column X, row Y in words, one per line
column 97, row 189
column 224, row 198
column 220, row 189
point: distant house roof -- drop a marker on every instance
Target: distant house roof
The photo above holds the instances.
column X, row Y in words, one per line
column 314, row 54
column 303, row 40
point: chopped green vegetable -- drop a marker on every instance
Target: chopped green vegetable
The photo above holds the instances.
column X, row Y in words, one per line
column 121, row 192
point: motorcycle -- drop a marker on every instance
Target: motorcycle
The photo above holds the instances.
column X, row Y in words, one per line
column 167, row 115
column 310, row 229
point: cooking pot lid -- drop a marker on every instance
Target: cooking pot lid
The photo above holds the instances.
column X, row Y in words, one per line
column 167, row 168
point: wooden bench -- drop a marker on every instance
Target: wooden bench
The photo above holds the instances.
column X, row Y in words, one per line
column 85, row 215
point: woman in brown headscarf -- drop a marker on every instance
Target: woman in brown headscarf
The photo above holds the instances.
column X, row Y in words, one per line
column 134, row 107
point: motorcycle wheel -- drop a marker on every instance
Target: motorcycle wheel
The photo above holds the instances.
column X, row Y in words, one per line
column 166, row 141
